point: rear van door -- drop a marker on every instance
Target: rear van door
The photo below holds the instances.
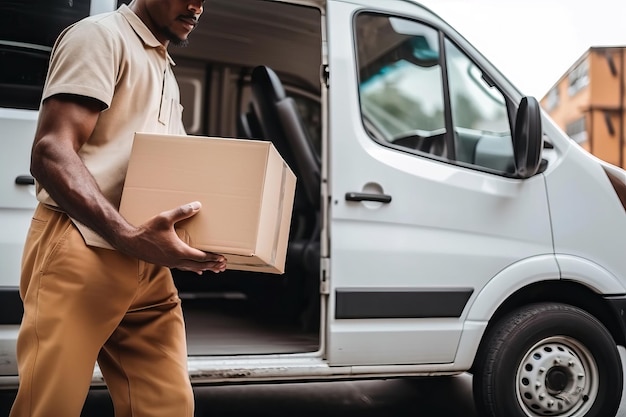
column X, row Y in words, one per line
column 425, row 208
column 27, row 34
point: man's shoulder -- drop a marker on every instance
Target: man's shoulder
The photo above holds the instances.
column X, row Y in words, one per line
column 109, row 23
column 108, row 31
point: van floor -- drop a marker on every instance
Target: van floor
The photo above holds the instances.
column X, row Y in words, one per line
column 233, row 326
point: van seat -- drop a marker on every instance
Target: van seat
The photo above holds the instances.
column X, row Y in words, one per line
column 248, row 125
column 280, row 122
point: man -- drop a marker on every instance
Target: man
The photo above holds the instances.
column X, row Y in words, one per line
column 95, row 287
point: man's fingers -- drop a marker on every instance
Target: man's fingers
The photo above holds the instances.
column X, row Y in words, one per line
column 214, row 257
column 183, row 212
column 196, row 260
column 199, row 268
column 215, row 266
column 206, row 261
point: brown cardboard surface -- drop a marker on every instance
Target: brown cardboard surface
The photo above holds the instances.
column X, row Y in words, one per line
column 245, row 187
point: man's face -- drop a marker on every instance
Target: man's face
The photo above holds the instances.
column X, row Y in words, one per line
column 170, row 20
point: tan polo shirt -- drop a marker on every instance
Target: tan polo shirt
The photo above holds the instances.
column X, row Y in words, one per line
column 114, row 58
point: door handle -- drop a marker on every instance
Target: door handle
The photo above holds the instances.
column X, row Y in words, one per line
column 25, row 180
column 380, row 198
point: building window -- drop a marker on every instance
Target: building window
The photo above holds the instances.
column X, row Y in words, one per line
column 552, row 99
column 577, row 130
column 611, row 62
column 578, row 78
column 609, row 123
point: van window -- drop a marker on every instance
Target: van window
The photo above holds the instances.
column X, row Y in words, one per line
column 482, row 134
column 401, row 87
column 402, row 79
column 27, row 34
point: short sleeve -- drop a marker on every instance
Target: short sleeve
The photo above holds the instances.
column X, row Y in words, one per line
column 84, row 62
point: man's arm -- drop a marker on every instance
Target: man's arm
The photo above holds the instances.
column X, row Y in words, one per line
column 65, row 124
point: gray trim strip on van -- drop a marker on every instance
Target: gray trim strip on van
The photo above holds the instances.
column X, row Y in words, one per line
column 25, row 45
column 383, row 303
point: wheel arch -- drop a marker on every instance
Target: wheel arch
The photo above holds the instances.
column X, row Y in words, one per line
column 528, row 272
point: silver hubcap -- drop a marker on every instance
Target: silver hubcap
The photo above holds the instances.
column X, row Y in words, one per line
column 557, row 377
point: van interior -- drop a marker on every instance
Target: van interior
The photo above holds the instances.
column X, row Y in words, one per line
column 252, row 70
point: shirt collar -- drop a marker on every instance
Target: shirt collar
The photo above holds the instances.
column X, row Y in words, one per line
column 140, row 28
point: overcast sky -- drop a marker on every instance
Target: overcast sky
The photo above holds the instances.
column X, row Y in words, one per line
column 533, row 42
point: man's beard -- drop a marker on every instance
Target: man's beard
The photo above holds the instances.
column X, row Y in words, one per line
column 179, row 42
column 175, row 40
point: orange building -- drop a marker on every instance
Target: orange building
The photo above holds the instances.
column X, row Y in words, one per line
column 587, row 102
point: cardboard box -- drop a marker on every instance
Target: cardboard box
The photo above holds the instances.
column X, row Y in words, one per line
column 245, row 187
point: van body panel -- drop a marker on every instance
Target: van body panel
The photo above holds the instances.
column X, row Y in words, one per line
column 446, row 226
column 511, row 279
column 8, row 361
column 589, row 273
column 14, row 224
column 587, row 217
column 473, row 331
column 17, row 197
column 15, row 161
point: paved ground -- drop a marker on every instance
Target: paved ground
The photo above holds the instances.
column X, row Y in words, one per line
column 430, row 397
column 419, row 397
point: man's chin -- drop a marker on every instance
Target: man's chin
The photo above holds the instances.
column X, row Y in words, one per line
column 175, row 39
column 179, row 42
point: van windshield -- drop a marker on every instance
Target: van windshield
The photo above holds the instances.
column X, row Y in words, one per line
column 27, row 33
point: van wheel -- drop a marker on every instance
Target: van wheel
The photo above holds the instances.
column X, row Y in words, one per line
column 548, row 359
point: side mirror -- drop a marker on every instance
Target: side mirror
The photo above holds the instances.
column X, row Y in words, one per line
column 527, row 138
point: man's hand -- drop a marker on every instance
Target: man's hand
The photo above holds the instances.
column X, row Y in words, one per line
column 156, row 242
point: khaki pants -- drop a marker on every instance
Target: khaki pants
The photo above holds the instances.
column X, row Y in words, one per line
column 83, row 304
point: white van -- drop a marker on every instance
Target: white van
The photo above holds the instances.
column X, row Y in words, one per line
column 443, row 224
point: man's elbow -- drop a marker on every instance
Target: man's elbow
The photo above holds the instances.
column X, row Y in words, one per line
column 42, row 155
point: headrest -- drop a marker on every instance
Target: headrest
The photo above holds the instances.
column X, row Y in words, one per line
column 267, row 80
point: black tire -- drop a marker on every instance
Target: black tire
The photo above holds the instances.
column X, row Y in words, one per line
column 548, row 359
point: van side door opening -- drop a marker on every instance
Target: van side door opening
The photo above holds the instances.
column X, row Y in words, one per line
column 233, row 72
